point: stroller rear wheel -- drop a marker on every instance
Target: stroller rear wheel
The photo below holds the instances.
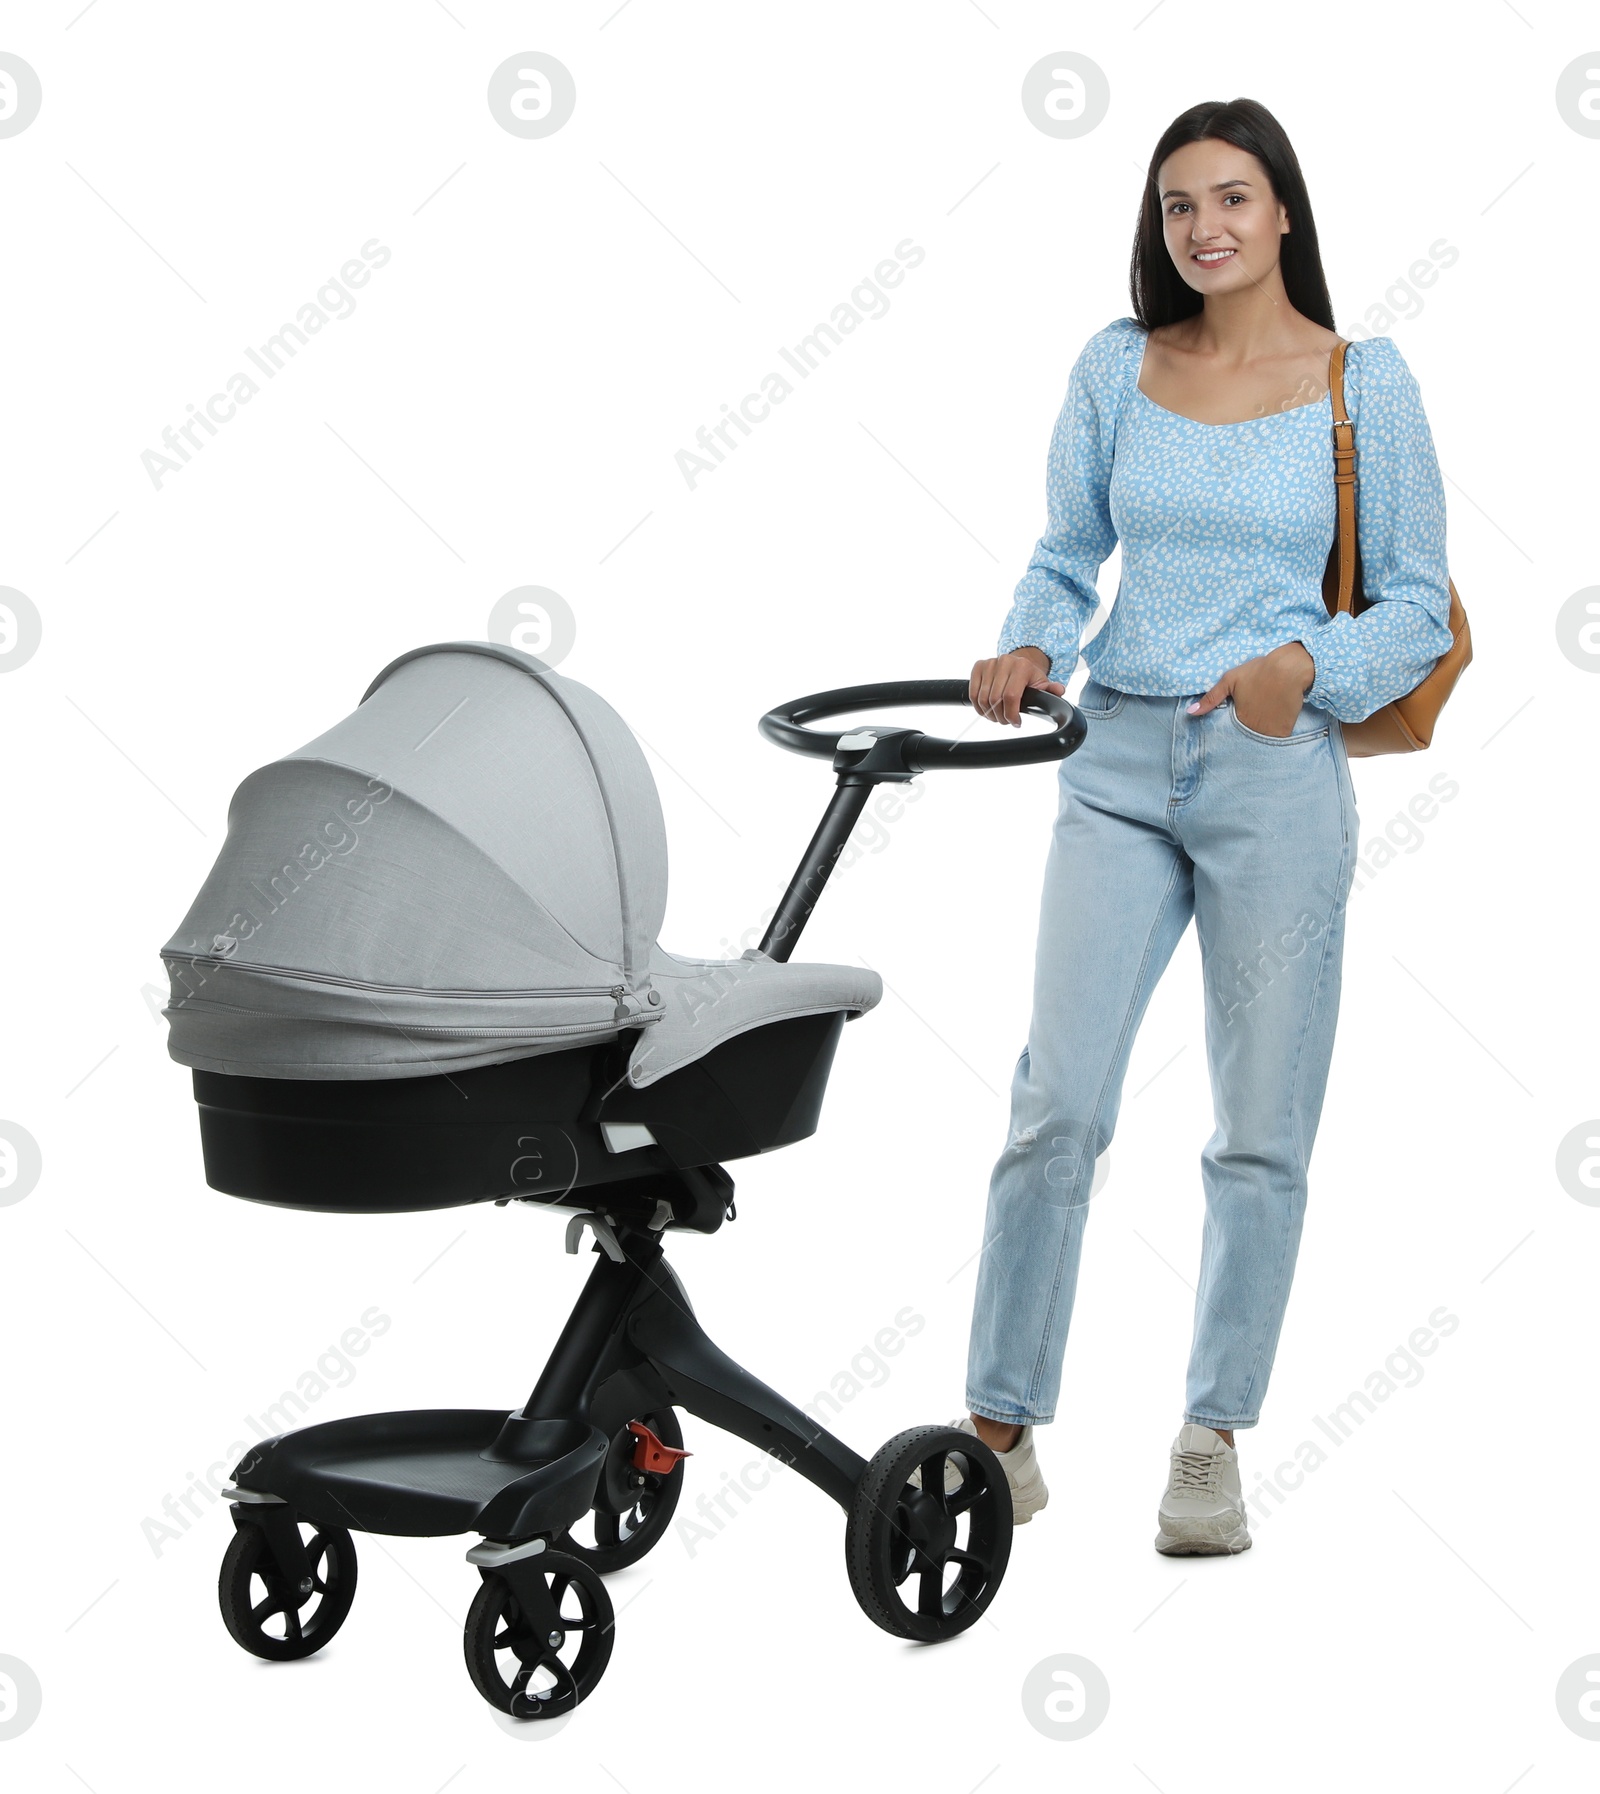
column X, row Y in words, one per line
column 632, row 1507
column 273, row 1617
column 537, row 1650
column 944, row 1544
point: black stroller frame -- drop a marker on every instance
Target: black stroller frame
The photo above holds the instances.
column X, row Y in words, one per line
column 928, row 1529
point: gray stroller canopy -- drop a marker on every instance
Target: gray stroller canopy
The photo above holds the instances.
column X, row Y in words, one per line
column 471, row 867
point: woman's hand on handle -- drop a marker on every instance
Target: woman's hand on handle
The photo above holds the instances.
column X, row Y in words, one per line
column 997, row 687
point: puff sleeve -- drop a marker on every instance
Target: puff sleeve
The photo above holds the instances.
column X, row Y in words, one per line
column 1056, row 597
column 1365, row 662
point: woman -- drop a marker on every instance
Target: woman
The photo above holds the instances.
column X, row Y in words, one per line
column 1213, row 782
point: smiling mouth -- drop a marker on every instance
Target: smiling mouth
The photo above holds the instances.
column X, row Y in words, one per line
column 1211, row 258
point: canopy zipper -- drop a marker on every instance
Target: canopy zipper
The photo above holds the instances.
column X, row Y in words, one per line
column 213, row 962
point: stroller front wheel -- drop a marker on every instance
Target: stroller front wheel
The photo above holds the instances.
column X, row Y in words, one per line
column 270, row 1614
column 535, row 1650
column 925, row 1561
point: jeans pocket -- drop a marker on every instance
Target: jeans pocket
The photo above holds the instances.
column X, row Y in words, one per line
column 1311, row 725
column 1099, row 701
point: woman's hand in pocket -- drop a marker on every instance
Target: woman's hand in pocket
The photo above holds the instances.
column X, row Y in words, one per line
column 1267, row 692
column 997, row 686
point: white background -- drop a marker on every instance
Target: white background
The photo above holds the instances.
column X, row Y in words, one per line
column 503, row 408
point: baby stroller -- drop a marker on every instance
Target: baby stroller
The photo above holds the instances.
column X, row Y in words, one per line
column 424, row 973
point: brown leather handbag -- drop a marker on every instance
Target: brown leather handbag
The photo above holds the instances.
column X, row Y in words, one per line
column 1406, row 725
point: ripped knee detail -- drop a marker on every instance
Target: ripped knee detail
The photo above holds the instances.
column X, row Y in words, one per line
column 1072, row 1151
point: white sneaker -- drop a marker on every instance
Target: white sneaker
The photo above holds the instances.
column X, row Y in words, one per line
column 1202, row 1512
column 1028, row 1493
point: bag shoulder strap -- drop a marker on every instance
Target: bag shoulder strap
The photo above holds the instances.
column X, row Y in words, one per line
column 1344, row 481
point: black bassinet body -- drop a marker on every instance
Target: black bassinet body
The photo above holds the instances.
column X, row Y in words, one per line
column 424, row 969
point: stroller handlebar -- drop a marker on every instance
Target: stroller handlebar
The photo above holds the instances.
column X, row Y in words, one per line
column 869, row 754
column 899, row 754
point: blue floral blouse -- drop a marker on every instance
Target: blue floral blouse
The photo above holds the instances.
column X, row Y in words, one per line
column 1225, row 531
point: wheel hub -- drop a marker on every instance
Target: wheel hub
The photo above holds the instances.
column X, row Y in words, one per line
column 931, row 1530
column 620, row 1485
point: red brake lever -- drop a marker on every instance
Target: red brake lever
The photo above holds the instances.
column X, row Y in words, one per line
column 650, row 1454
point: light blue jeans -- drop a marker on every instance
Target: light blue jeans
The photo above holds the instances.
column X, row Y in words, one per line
column 1165, row 816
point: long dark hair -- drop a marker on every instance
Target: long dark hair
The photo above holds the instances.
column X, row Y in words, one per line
column 1160, row 294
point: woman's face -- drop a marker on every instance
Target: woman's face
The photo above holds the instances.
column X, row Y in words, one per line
column 1220, row 218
